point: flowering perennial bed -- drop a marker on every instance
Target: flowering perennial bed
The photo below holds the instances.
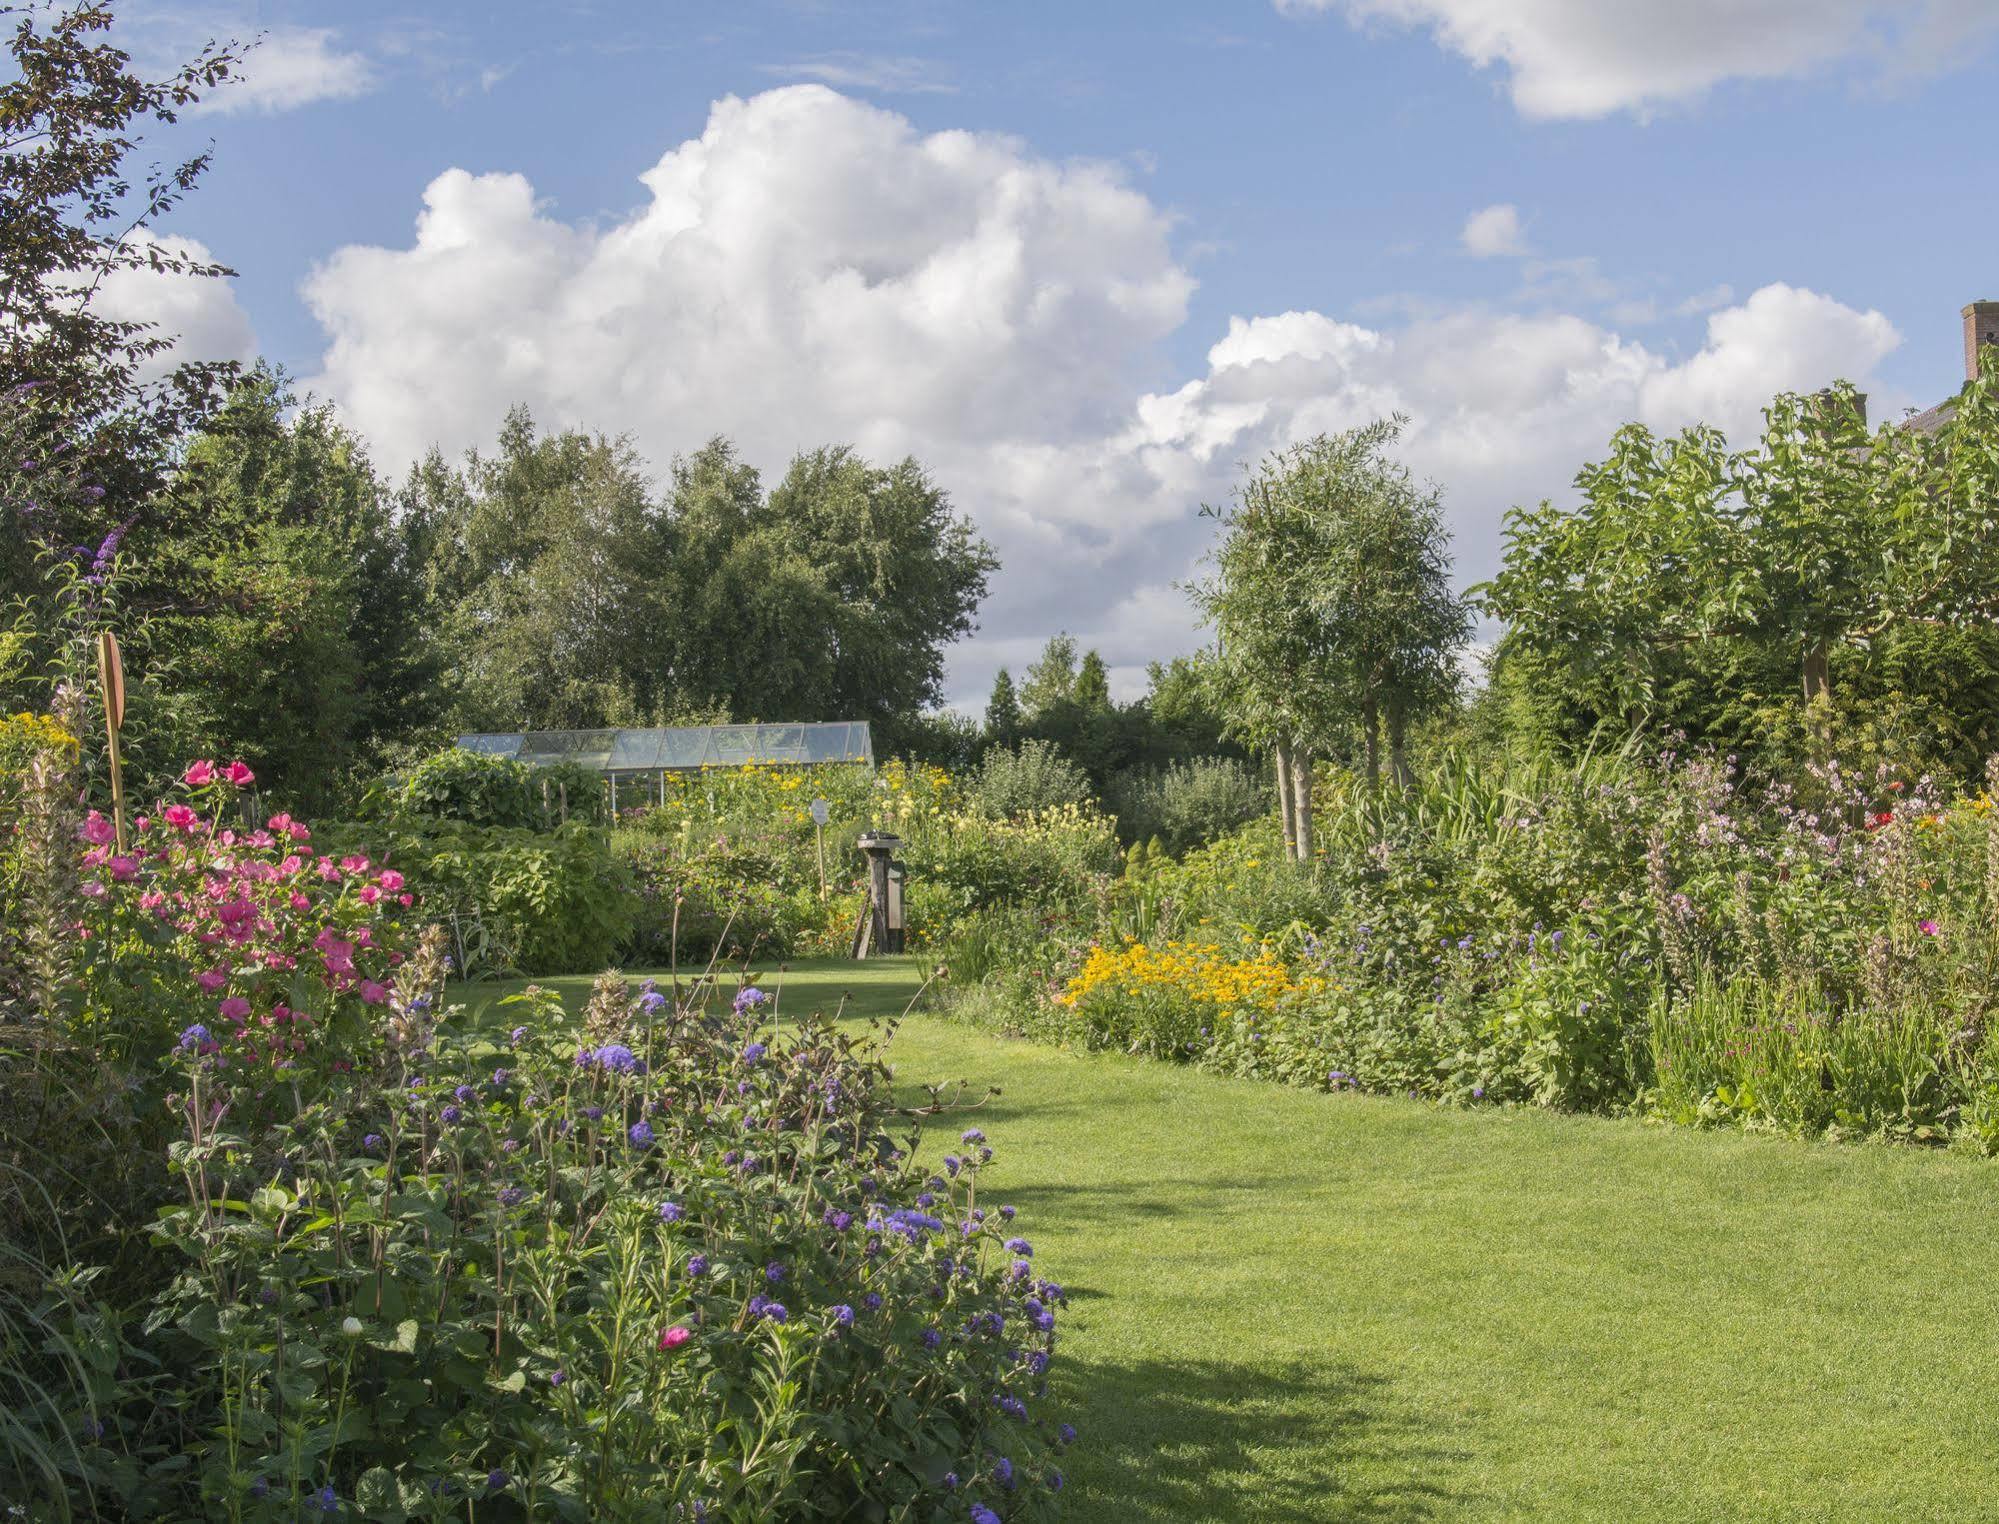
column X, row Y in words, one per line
column 653, row 1262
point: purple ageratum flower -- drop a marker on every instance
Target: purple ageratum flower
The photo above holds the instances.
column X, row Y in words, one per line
column 872, row 1301
column 697, row 1265
column 1003, row 1470
column 1007, row 1213
column 372, row 1142
column 640, row 1134
column 950, row 1481
column 1021, row 1247
column 517, row 1036
column 593, row 1113
column 953, row 1164
column 196, row 1039
column 512, row 1196
column 671, row 1211
column 616, row 1057
column 1066, row 1433
column 500, row 1078
column 557, row 1377
column 932, row 1338
column 466, row 1094
column 329, row 1500
column 749, row 998
column 651, row 1001
column 971, row 1135
column 496, row 1480
column 754, row 1053
column 842, row 1314
column 984, row 1515
column 774, row 1272
column 776, row 1312
column 451, row 1114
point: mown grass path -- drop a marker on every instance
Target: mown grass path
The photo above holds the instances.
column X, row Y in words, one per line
column 1287, row 1306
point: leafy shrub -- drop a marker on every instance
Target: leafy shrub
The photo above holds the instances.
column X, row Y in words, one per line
column 1033, row 777
column 1188, row 804
column 534, row 902
column 484, row 790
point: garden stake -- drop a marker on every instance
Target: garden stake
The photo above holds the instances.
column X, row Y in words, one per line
column 111, row 678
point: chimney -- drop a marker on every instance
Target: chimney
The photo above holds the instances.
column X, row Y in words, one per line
column 1981, row 331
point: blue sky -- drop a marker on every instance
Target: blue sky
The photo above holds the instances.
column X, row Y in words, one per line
column 1687, row 205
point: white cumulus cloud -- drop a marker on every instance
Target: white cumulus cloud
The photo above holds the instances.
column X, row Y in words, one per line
column 1590, row 58
column 814, row 270
column 1492, row 231
column 289, row 67
column 200, row 313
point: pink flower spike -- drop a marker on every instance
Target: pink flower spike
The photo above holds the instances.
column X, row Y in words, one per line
column 674, row 1337
column 200, row 775
column 239, row 775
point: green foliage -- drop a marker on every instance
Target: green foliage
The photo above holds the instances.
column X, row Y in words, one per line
column 514, row 899
column 1690, row 574
column 289, row 588
column 479, row 789
column 1188, row 804
column 1331, row 595
column 1034, row 776
column 75, row 211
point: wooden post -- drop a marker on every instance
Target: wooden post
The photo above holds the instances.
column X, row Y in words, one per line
column 111, row 678
column 820, row 812
column 614, row 798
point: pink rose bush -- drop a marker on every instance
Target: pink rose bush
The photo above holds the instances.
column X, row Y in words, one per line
column 284, row 956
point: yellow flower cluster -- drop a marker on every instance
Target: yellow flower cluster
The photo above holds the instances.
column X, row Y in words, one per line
column 1198, row 971
column 29, row 733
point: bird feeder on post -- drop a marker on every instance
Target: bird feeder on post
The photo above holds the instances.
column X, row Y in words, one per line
column 880, row 928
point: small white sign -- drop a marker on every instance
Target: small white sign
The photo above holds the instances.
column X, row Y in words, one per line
column 821, row 810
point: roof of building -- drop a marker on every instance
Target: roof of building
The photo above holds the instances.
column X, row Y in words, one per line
column 684, row 748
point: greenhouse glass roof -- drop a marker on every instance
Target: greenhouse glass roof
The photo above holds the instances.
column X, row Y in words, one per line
column 685, row 748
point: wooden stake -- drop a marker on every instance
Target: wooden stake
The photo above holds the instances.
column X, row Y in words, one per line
column 111, row 678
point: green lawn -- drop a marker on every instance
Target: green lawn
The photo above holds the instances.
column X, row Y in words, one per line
column 1288, row 1306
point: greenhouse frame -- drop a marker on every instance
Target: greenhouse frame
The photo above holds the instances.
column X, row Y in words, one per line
column 684, row 748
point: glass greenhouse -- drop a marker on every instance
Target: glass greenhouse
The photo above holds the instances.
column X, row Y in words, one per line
column 684, row 748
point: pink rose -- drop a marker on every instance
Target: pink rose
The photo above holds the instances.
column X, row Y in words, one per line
column 390, row 880
column 96, row 830
column 200, row 775
column 239, row 775
column 180, row 817
column 373, row 993
column 406, row 899
column 369, row 894
column 235, row 1008
column 212, row 979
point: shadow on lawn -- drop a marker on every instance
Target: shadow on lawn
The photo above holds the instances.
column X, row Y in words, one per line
column 1206, row 1440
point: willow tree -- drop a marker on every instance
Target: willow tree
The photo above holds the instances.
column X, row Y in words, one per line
column 1332, row 604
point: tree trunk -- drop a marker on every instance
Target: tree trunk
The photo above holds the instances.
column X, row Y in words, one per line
column 1370, row 728
column 1301, row 801
column 1398, row 757
column 1818, row 670
column 1285, row 809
